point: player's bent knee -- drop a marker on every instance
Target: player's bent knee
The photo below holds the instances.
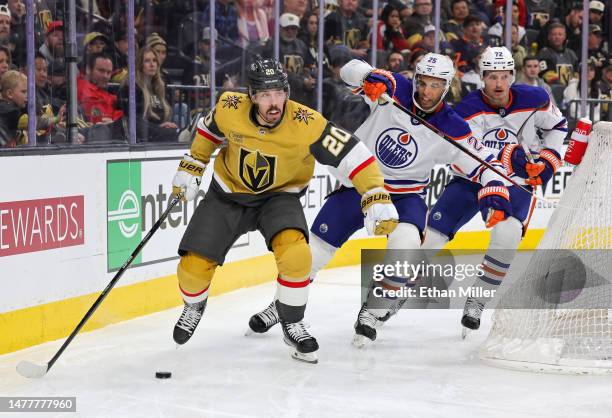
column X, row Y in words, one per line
column 404, row 237
column 195, row 273
column 507, row 234
column 292, row 254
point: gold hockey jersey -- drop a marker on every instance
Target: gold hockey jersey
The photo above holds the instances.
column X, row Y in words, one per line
column 256, row 159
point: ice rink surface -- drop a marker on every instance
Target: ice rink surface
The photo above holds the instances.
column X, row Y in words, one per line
column 418, row 367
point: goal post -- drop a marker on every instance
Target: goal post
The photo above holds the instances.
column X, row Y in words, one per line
column 572, row 333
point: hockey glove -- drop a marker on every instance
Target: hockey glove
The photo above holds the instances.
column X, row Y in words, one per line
column 515, row 161
column 381, row 217
column 378, row 82
column 494, row 203
column 550, row 162
column 186, row 181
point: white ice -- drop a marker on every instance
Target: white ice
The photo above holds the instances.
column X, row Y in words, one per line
column 418, row 367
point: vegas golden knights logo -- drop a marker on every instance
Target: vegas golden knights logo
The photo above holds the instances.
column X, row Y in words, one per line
column 257, row 170
column 294, row 63
column 352, row 38
column 565, row 72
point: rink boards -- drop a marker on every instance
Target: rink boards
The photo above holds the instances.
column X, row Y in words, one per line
column 67, row 226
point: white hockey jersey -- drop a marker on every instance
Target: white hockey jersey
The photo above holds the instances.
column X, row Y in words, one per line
column 545, row 126
column 405, row 149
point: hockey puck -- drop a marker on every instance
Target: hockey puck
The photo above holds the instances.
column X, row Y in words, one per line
column 163, row 375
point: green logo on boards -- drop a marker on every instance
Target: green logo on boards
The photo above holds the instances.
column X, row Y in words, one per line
column 124, row 229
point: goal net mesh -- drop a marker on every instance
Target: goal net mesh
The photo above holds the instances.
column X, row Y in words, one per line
column 562, row 322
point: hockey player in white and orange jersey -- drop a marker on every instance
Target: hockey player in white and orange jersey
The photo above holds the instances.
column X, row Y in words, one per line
column 500, row 114
column 268, row 149
column 406, row 151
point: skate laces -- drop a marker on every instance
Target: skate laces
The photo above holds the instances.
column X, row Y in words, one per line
column 269, row 315
column 367, row 318
column 190, row 317
column 297, row 331
column 473, row 308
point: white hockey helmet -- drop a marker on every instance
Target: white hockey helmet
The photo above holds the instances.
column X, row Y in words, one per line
column 433, row 65
column 497, row 58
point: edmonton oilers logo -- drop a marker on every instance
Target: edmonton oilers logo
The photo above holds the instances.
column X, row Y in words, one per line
column 395, row 148
column 497, row 138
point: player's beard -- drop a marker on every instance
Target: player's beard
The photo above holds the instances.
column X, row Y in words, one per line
column 272, row 115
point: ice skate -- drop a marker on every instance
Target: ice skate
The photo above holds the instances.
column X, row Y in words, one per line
column 471, row 316
column 262, row 321
column 365, row 327
column 304, row 345
column 189, row 320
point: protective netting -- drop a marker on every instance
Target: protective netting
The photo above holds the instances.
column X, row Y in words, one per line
column 565, row 324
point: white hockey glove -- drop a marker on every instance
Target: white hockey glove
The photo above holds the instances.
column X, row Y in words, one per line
column 381, row 217
column 186, row 181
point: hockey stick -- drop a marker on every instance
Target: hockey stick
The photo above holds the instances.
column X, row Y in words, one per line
column 32, row 370
column 451, row 141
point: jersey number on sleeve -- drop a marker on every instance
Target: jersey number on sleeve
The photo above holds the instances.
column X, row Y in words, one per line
column 334, row 141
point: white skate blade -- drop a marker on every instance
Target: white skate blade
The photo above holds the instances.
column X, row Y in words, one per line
column 31, row 370
column 361, row 341
column 310, row 358
column 248, row 332
column 464, row 332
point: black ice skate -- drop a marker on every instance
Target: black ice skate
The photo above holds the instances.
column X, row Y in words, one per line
column 365, row 327
column 262, row 321
column 304, row 344
column 189, row 320
column 471, row 315
column 392, row 311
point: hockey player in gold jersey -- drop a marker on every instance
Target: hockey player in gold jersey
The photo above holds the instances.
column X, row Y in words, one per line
column 268, row 149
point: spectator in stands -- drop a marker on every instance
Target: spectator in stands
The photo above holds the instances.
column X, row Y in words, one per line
column 572, row 92
column 41, row 77
column 53, row 48
column 293, row 52
column 309, row 31
column 557, row 62
column 348, row 27
column 596, row 11
column 597, row 55
column 297, row 7
column 226, row 18
column 5, row 25
column 540, row 12
column 471, row 80
column 97, row 103
column 18, row 29
column 14, row 88
column 454, row 26
column 573, row 24
column 57, row 86
column 119, row 56
column 496, row 32
column 468, row 47
column 153, row 112
column 93, row 43
column 252, row 23
column 606, row 81
column 395, row 62
column 344, row 108
column 530, row 75
column 519, row 52
column 390, row 33
column 5, row 60
column 420, row 18
column 159, row 45
column 522, row 10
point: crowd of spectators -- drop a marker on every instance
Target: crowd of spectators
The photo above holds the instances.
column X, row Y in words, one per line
column 173, row 58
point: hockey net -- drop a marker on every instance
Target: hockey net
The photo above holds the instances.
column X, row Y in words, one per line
column 572, row 334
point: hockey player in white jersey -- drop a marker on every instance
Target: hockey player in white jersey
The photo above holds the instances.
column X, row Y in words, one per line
column 496, row 114
column 406, row 151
